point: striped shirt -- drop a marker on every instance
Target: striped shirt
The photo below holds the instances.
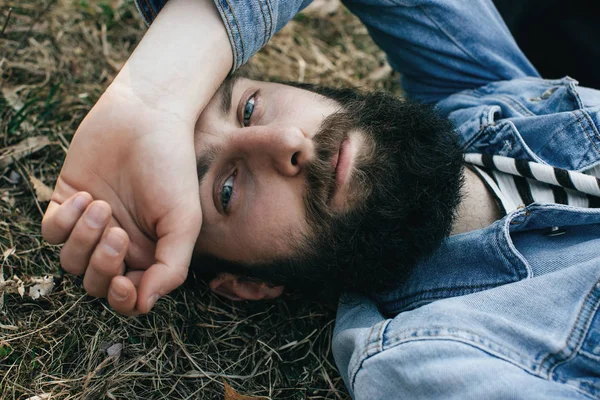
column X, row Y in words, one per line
column 518, row 183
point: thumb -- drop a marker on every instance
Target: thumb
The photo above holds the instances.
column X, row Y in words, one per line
column 173, row 255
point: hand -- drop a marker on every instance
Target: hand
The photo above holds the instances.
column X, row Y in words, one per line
column 142, row 163
column 135, row 151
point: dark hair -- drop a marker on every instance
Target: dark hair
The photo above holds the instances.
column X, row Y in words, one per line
column 413, row 182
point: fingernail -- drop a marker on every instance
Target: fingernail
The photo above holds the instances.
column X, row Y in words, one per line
column 152, row 301
column 81, row 202
column 114, row 243
column 119, row 292
column 96, row 216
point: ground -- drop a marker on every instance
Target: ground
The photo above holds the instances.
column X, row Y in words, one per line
column 56, row 59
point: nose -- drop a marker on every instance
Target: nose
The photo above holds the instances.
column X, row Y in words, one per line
column 284, row 148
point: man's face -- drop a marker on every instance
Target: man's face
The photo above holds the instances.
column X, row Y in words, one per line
column 254, row 142
column 299, row 189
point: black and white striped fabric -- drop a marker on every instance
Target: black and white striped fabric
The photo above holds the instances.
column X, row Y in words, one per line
column 518, row 183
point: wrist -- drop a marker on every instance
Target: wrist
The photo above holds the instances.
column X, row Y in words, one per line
column 181, row 61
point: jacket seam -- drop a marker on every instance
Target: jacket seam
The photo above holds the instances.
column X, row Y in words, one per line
column 272, row 26
column 585, row 129
column 374, row 346
column 262, row 5
column 456, row 291
column 522, row 363
column 153, row 14
column 225, row 16
column 142, row 11
column 577, row 335
column 239, row 32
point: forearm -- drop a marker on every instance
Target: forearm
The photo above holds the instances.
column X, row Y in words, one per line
column 250, row 24
column 180, row 62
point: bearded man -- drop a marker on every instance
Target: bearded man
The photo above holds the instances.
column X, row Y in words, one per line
column 461, row 223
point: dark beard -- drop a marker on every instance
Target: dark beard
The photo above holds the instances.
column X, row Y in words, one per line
column 405, row 191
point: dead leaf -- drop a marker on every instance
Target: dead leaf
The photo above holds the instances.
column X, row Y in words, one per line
column 42, row 192
column 43, row 396
column 22, row 149
column 12, row 97
column 231, row 394
column 114, row 350
column 7, row 198
column 42, row 288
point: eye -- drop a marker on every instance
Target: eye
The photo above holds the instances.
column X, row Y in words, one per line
column 248, row 110
column 226, row 192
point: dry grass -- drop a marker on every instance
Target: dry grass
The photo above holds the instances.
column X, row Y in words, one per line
column 56, row 58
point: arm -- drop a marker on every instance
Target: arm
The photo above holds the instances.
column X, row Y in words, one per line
column 249, row 24
column 134, row 154
column 445, row 369
column 380, row 358
column 443, row 46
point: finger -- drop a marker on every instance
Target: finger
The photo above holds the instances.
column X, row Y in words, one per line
column 59, row 219
column 75, row 254
column 173, row 254
column 135, row 277
column 106, row 262
column 122, row 295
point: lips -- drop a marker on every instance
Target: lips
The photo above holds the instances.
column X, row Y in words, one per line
column 342, row 161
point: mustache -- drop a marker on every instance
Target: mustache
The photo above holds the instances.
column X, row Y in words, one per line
column 320, row 173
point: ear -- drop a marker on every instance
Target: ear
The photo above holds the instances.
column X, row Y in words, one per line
column 228, row 285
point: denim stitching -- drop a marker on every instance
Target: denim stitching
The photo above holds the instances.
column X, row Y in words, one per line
column 577, row 334
column 571, row 88
column 441, row 293
column 151, row 9
column 143, row 12
column 576, row 113
column 474, row 340
column 261, row 4
column 368, row 350
column 230, row 32
column 239, row 32
column 273, row 27
column 592, row 126
column 514, row 104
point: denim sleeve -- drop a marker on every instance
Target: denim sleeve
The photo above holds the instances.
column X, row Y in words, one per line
column 249, row 24
column 443, row 46
column 443, row 370
column 380, row 359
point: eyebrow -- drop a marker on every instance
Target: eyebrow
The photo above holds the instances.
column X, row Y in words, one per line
column 205, row 162
column 227, row 93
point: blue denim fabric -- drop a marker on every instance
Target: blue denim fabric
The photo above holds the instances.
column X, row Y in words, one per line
column 249, row 24
column 504, row 312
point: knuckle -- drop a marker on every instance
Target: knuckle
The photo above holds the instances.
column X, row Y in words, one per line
column 83, row 239
column 62, row 225
column 103, row 264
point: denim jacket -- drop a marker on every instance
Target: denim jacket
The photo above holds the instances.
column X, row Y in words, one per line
column 505, row 312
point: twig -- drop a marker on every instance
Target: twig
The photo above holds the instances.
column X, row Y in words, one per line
column 6, row 21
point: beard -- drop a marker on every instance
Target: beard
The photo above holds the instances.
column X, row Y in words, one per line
column 405, row 188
